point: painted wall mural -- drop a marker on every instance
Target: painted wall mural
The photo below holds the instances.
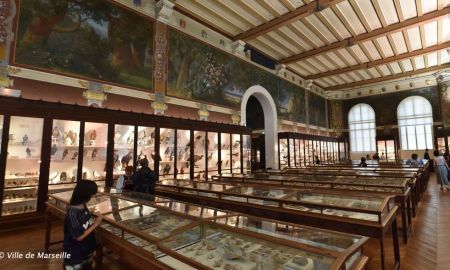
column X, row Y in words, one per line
column 385, row 105
column 94, row 39
column 316, row 110
column 336, row 117
column 200, row 72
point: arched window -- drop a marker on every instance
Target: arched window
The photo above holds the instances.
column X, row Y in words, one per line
column 415, row 123
column 361, row 124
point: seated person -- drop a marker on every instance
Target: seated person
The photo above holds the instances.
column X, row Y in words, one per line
column 317, row 160
column 363, row 162
column 376, row 157
column 414, row 161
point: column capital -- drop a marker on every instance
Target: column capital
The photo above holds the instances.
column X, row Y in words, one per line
column 164, row 9
column 238, row 47
column 281, row 69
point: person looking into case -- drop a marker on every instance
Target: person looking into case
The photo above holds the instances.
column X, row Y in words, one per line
column 79, row 225
column 317, row 161
column 363, row 162
column 144, row 179
column 125, row 181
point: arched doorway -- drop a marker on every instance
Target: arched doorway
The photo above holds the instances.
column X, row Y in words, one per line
column 270, row 121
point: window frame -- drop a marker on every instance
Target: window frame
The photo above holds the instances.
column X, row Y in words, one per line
column 359, row 135
column 405, row 129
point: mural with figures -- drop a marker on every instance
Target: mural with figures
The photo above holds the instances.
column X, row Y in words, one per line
column 385, row 105
column 316, row 110
column 94, row 39
column 200, row 72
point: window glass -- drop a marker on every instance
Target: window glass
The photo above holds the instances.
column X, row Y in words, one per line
column 361, row 120
column 415, row 121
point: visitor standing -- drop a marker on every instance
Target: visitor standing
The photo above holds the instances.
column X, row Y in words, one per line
column 79, row 225
column 442, row 170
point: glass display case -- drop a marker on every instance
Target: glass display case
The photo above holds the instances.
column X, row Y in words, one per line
column 322, row 239
column 166, row 152
column 441, row 144
column 292, row 154
column 186, row 236
column 387, row 150
column 146, row 146
column 64, row 155
column 22, row 165
column 200, row 155
column 247, row 152
column 236, row 153
column 213, row 153
column 370, row 214
column 123, row 149
column 225, row 152
column 94, row 151
column 80, row 142
column 283, row 149
column 102, row 203
column 183, row 153
column 342, row 152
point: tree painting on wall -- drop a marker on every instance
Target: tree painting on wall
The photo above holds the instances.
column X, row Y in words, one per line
column 316, row 110
column 90, row 38
column 291, row 102
column 200, row 72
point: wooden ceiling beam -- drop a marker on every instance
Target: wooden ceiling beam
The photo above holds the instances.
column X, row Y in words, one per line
column 382, row 61
column 288, row 5
column 286, row 19
column 390, row 77
column 390, row 29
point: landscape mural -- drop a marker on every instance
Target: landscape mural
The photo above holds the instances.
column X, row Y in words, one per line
column 316, row 110
column 386, row 105
column 89, row 38
column 200, row 72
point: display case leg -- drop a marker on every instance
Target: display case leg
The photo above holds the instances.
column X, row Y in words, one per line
column 395, row 242
column 404, row 223
column 99, row 257
column 48, row 229
column 408, row 209
column 382, row 251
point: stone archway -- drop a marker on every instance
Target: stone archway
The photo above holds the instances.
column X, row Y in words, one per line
column 270, row 121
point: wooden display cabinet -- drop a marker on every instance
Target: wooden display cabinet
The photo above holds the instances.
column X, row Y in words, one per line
column 51, row 146
column 368, row 215
column 300, row 150
column 168, row 234
column 398, row 187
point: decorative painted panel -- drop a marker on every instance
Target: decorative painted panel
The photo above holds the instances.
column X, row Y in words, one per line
column 92, row 39
column 317, row 110
column 198, row 71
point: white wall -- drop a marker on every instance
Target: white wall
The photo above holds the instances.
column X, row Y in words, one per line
column 270, row 121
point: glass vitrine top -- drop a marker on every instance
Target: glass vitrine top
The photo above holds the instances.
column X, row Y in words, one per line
column 254, row 176
column 218, row 247
column 339, row 200
column 100, row 202
column 192, row 209
column 267, row 192
column 155, row 222
column 329, row 240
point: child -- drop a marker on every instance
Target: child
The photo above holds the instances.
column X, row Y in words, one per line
column 124, row 181
column 79, row 226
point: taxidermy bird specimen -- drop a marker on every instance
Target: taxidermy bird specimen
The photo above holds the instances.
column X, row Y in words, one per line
column 126, row 160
